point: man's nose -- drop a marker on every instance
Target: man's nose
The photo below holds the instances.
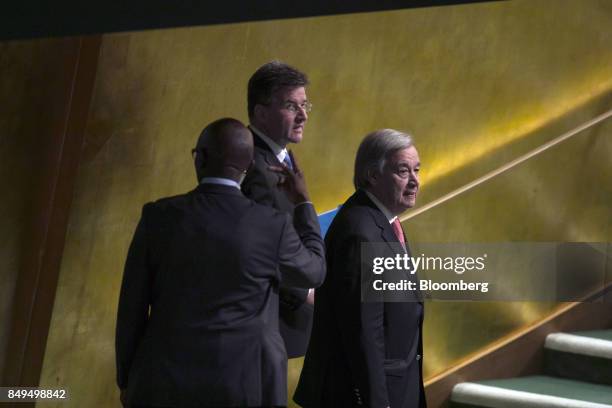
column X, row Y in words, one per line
column 414, row 178
column 302, row 114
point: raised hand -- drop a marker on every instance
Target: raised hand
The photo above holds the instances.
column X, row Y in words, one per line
column 292, row 181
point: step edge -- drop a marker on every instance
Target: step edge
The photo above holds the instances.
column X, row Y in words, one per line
column 571, row 343
column 497, row 397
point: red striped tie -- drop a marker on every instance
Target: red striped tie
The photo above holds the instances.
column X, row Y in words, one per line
column 399, row 233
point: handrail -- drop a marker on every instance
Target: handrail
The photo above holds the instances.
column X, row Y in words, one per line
column 507, row 166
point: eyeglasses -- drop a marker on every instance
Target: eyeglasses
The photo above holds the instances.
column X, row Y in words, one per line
column 295, row 108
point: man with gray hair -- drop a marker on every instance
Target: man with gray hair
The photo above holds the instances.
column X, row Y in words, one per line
column 367, row 353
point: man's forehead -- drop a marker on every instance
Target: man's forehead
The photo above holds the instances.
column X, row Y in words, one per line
column 290, row 93
column 407, row 154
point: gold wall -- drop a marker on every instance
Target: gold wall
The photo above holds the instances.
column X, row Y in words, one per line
column 477, row 85
column 563, row 195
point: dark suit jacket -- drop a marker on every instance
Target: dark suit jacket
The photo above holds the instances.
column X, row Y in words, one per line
column 197, row 323
column 361, row 354
column 261, row 185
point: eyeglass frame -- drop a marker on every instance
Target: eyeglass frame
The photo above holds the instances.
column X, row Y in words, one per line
column 293, row 107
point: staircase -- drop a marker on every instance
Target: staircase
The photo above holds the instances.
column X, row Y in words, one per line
column 577, row 374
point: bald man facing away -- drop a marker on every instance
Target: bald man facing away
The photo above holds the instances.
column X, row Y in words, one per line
column 197, row 324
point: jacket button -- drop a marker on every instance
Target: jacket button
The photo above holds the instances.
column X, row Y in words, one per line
column 418, row 357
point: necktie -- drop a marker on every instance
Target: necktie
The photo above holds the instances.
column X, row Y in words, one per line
column 399, row 233
column 287, row 161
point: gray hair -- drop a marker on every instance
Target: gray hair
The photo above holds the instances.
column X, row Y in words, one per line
column 374, row 150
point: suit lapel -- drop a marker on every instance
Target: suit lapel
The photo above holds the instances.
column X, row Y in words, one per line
column 386, row 230
column 388, row 235
column 264, row 157
column 269, row 157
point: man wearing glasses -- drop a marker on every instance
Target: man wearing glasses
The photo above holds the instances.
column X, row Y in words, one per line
column 278, row 110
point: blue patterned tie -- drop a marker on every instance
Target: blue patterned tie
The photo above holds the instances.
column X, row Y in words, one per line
column 287, row 161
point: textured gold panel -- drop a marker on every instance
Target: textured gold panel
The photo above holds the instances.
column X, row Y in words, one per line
column 564, row 194
column 478, row 85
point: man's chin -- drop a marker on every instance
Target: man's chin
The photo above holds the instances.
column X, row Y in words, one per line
column 295, row 138
column 407, row 204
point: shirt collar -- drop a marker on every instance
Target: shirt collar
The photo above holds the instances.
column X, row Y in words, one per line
column 220, row 180
column 390, row 217
column 278, row 151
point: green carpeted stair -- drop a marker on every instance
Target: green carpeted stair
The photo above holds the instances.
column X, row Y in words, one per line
column 577, row 374
column 584, row 356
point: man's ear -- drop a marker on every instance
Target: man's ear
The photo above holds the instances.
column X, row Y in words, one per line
column 372, row 176
column 201, row 159
column 260, row 113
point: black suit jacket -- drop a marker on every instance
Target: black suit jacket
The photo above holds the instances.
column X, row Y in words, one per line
column 261, row 185
column 197, row 323
column 361, row 354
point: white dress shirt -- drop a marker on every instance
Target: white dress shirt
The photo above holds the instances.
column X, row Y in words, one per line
column 220, row 180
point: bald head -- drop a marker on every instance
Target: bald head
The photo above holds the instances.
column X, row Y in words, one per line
column 224, row 149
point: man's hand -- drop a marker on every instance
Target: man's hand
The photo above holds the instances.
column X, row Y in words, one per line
column 292, row 181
